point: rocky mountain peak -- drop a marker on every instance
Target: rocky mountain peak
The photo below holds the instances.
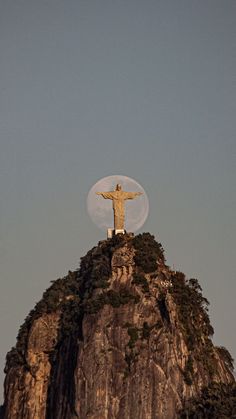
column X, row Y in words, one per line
column 124, row 336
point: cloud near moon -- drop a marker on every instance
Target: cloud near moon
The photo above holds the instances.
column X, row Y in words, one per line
column 100, row 209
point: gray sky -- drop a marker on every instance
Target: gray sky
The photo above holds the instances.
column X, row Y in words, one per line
column 140, row 88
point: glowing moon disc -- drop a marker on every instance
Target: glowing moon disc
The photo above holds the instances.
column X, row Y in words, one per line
column 100, row 209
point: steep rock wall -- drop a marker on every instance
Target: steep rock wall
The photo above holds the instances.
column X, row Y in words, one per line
column 117, row 348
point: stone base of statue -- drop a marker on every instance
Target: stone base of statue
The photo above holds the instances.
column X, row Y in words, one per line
column 111, row 232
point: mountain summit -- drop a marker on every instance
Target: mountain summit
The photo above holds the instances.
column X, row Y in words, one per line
column 123, row 337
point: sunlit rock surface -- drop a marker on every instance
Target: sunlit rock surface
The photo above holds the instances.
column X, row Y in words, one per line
column 122, row 337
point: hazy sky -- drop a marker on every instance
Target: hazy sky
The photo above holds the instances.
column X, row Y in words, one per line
column 146, row 89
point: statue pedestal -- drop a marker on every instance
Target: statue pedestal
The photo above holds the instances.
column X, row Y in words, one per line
column 119, row 231
column 111, row 232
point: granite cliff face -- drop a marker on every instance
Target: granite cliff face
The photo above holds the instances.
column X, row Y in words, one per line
column 122, row 337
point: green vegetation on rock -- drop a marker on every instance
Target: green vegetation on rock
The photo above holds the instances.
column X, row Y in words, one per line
column 113, row 298
column 217, row 401
column 139, row 279
column 188, row 371
column 148, row 251
column 131, row 354
column 192, row 309
column 225, row 355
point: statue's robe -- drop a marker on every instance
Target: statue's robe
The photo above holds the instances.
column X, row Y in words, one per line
column 118, row 198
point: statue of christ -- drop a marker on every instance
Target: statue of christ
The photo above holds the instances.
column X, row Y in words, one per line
column 118, row 197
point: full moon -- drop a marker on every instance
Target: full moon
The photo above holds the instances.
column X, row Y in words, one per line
column 100, row 209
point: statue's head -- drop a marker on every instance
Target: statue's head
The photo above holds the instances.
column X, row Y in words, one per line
column 118, row 187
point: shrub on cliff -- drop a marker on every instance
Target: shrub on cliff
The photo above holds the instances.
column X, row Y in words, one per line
column 218, row 401
column 192, row 309
column 225, row 355
column 148, row 251
column 139, row 279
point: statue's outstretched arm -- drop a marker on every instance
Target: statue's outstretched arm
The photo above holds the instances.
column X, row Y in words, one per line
column 132, row 195
column 105, row 195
